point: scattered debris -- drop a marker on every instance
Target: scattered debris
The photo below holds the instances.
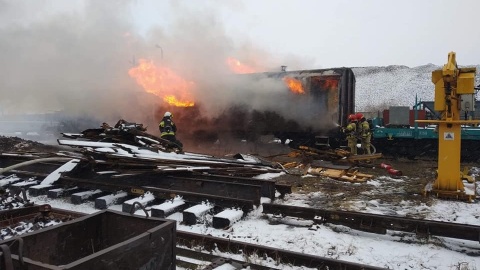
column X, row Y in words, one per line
column 343, row 175
column 332, row 163
column 127, row 133
column 391, row 170
column 129, row 149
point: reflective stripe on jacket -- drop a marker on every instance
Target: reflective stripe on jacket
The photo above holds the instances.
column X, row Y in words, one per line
column 167, row 127
column 365, row 129
column 351, row 129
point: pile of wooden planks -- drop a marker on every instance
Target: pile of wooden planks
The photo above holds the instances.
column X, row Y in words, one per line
column 327, row 169
column 344, row 175
column 128, row 133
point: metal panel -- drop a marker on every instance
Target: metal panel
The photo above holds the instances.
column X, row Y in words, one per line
column 399, row 115
column 466, row 83
column 104, row 240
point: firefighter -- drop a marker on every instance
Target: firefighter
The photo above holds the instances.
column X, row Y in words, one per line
column 365, row 134
column 168, row 129
column 350, row 131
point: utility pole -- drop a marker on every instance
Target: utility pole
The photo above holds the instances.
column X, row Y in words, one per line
column 161, row 50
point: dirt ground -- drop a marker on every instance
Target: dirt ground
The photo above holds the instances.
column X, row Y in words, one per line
column 384, row 189
column 15, row 144
column 394, row 192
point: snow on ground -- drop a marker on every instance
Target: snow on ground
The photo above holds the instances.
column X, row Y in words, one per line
column 381, row 87
column 395, row 250
column 376, row 88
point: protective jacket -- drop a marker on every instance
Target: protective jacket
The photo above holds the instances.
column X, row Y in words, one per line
column 350, row 132
column 351, row 129
column 365, row 129
column 167, row 127
column 359, row 130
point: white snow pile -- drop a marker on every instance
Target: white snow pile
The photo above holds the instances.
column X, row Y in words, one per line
column 377, row 88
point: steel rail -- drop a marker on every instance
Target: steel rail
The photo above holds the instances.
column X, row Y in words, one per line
column 247, row 191
column 189, row 253
column 268, row 185
column 377, row 223
column 163, row 193
column 211, row 243
column 216, row 188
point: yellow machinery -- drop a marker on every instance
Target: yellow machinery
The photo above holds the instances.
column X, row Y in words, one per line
column 454, row 92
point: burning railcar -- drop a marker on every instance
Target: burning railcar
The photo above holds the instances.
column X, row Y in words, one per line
column 297, row 105
column 318, row 103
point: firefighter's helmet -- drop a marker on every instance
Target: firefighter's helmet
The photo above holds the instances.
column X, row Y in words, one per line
column 352, row 117
column 359, row 116
column 168, row 114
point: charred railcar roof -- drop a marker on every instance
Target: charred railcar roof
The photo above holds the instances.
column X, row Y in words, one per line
column 346, row 91
column 342, row 71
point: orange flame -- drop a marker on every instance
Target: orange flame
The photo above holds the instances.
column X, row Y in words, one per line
column 173, row 101
column 163, row 82
column 237, row 67
column 294, row 85
column 331, row 84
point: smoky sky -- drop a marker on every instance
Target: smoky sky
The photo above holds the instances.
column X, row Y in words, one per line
column 74, row 56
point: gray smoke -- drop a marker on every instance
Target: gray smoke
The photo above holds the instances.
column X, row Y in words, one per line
column 74, row 57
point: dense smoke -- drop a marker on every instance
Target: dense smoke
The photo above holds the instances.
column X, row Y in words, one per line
column 73, row 57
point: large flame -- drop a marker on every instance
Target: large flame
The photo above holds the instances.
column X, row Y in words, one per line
column 237, row 67
column 173, row 101
column 294, row 85
column 163, row 82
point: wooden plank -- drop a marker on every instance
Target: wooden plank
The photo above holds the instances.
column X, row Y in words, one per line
column 355, row 177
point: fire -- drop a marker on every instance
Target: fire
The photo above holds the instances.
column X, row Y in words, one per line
column 163, row 82
column 237, row 67
column 173, row 101
column 331, row 84
column 294, row 85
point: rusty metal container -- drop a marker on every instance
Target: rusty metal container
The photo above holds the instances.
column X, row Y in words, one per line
column 103, row 240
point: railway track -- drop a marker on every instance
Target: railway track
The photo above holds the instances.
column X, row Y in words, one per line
column 196, row 178
column 228, row 192
column 221, row 191
column 377, row 223
column 281, row 256
column 356, row 220
column 189, row 244
column 196, row 251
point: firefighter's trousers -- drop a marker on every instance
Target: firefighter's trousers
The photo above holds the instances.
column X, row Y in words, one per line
column 366, row 144
column 352, row 144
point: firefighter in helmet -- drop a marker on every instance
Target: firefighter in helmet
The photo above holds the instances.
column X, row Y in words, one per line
column 364, row 133
column 350, row 131
column 168, row 129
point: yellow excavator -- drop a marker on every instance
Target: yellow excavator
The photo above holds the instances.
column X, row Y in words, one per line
column 454, row 93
